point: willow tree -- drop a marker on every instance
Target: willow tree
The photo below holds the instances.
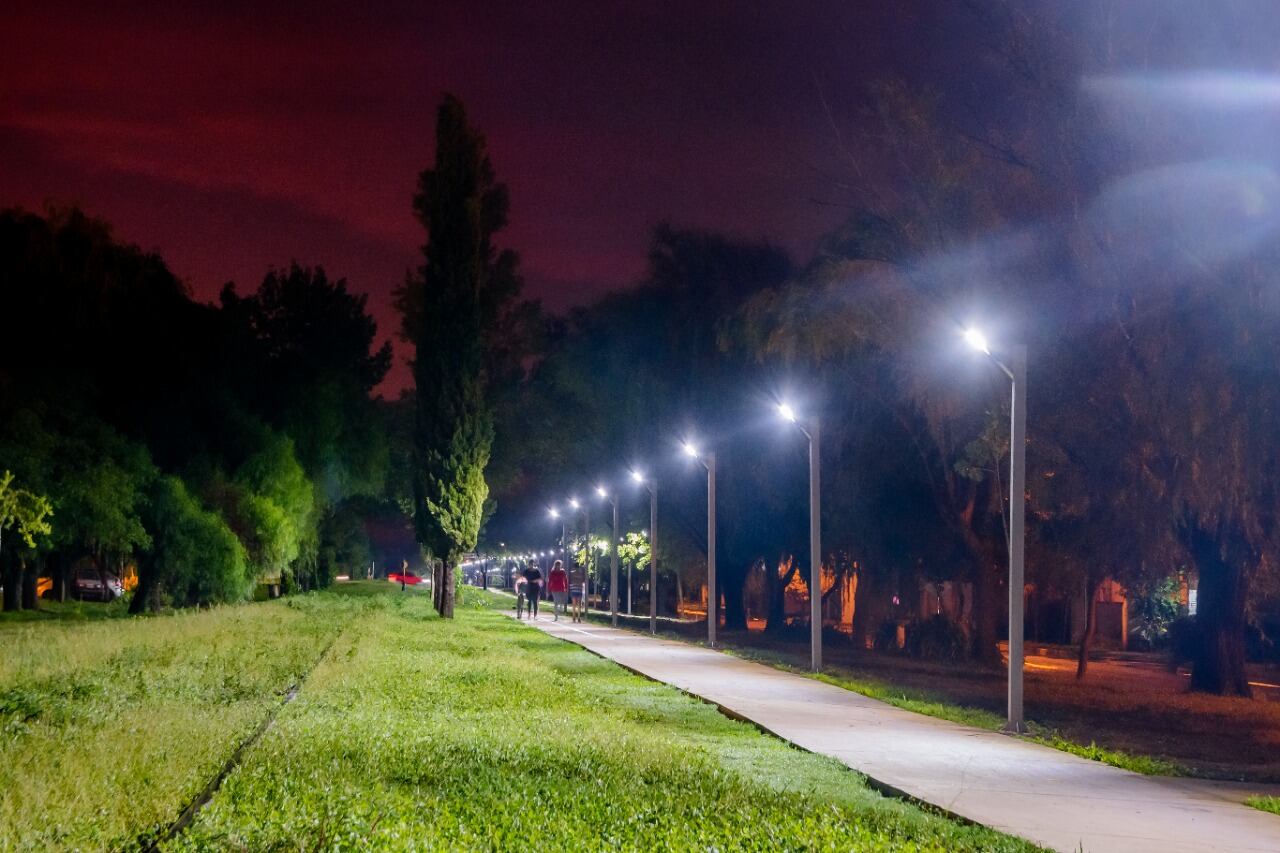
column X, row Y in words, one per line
column 448, row 308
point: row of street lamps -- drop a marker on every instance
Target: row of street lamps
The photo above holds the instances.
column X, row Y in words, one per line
column 810, row 427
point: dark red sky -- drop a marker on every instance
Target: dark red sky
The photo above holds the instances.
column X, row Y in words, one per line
column 233, row 136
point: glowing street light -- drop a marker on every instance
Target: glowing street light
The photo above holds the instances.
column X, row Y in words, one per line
column 977, row 340
column 1017, row 374
column 652, row 486
column 815, row 533
column 713, row 601
column 555, row 515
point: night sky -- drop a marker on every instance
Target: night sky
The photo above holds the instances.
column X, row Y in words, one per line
column 235, row 136
column 238, row 135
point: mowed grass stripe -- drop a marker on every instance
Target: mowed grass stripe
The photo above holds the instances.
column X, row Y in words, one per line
column 109, row 729
column 484, row 734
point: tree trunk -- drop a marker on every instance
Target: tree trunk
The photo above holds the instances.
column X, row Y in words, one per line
column 437, row 586
column 776, row 591
column 1090, row 625
column 730, row 585
column 986, row 613
column 447, row 593
column 30, row 579
column 1218, row 665
column 58, row 573
column 12, row 581
column 143, row 591
column 863, row 619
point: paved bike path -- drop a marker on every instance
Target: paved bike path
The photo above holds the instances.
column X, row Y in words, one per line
column 1041, row 794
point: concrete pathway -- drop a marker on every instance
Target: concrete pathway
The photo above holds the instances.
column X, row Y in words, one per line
column 1041, row 794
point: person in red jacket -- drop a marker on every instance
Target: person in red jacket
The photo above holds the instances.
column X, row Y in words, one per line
column 558, row 586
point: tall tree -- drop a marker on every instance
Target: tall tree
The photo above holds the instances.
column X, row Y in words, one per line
column 448, row 308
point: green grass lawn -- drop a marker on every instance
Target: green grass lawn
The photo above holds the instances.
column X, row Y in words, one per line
column 1267, row 804
column 409, row 732
column 485, row 734
column 108, row 728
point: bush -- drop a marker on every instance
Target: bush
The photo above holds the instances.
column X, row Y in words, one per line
column 1153, row 607
column 886, row 638
column 936, row 638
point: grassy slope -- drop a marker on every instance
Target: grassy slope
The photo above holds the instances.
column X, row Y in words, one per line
column 486, row 734
column 110, row 727
column 1267, row 804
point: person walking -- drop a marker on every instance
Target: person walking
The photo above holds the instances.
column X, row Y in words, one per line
column 578, row 597
column 558, row 586
column 532, row 589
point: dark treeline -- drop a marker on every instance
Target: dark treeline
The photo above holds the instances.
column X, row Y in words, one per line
column 218, row 449
column 1139, row 268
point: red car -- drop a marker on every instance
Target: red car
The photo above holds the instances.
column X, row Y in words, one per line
column 407, row 578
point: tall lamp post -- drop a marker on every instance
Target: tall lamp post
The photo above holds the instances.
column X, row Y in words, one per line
column 815, row 533
column 613, row 555
column 713, row 601
column 1017, row 373
column 652, row 485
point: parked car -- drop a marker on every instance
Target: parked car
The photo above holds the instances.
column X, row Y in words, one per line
column 408, row 578
column 89, row 584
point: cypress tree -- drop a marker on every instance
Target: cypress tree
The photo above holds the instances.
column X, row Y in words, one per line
column 447, row 307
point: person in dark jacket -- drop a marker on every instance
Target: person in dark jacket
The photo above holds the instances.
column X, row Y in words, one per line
column 532, row 589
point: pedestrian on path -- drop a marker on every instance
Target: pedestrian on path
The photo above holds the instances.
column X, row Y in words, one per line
column 520, row 585
column 532, row 589
column 558, row 586
column 575, row 601
column 578, row 596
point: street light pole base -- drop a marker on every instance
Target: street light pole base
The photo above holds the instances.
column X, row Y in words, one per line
column 1015, row 727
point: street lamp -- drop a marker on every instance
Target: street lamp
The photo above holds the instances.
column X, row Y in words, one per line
column 613, row 555
column 815, row 533
column 1017, row 374
column 555, row 514
column 713, row 601
column 652, row 486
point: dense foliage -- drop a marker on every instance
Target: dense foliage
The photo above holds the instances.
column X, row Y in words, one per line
column 209, row 447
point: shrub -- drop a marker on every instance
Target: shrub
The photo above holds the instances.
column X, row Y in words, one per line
column 1153, row 607
column 886, row 638
column 936, row 638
